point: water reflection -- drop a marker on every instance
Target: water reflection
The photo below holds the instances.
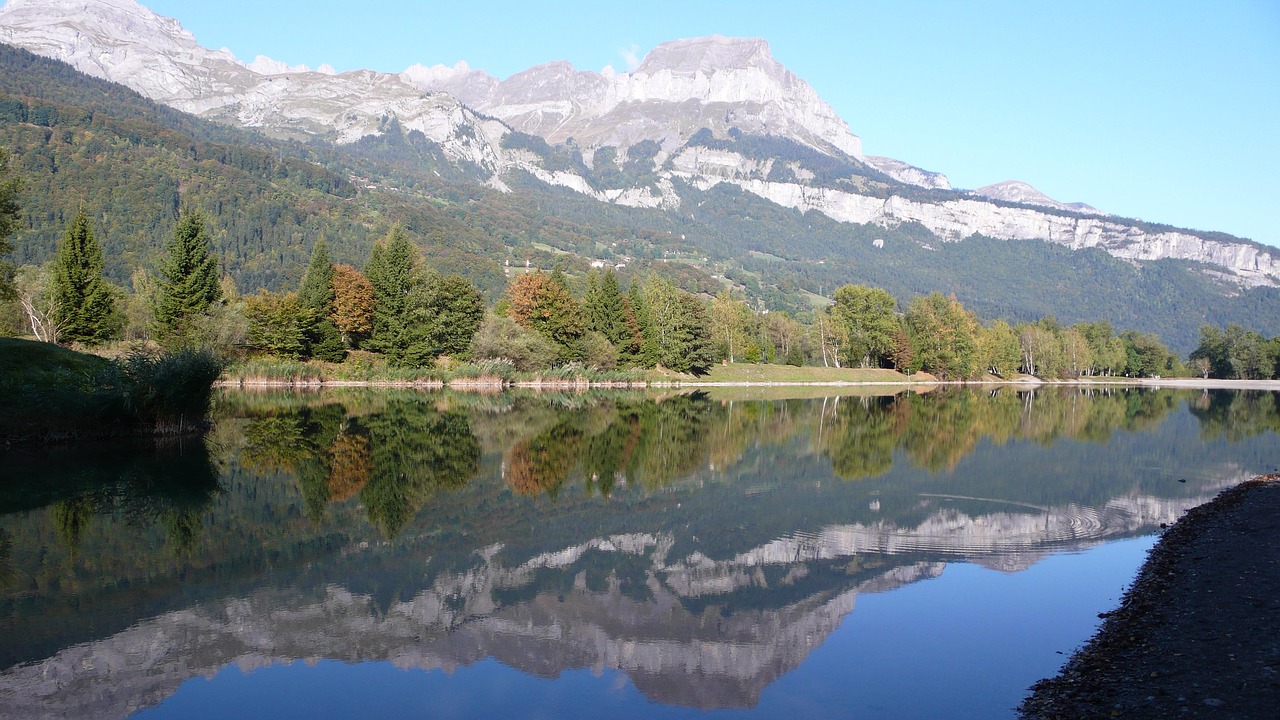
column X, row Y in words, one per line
column 703, row 546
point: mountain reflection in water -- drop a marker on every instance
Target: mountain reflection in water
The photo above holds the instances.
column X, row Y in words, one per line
column 702, row 546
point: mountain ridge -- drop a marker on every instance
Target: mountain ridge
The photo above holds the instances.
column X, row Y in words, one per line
column 723, row 85
column 677, row 190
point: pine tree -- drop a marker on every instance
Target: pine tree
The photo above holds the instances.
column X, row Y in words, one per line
column 84, row 307
column 392, row 270
column 188, row 283
column 316, row 291
column 604, row 306
column 9, row 189
column 323, row 341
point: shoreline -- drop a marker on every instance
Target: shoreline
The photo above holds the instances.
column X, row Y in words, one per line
column 491, row 384
column 1195, row 634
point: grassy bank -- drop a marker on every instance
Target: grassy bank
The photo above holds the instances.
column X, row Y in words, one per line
column 50, row 393
column 762, row 374
column 372, row 369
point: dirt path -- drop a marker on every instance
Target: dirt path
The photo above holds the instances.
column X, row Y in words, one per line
column 1198, row 634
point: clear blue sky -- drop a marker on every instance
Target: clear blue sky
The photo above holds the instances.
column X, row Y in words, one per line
column 1168, row 111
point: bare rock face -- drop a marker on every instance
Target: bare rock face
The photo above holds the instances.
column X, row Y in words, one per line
column 122, row 41
column 1020, row 192
column 724, row 85
column 469, row 86
column 681, row 87
column 908, row 174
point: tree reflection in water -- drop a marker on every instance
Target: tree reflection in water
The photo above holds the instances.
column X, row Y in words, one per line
column 552, row 531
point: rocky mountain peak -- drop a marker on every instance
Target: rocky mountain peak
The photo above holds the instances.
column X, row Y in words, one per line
column 471, row 87
column 708, row 55
column 1021, row 192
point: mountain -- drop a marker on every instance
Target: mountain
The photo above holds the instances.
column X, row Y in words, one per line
column 710, row 153
column 1016, row 191
column 731, row 88
column 122, row 41
column 680, row 87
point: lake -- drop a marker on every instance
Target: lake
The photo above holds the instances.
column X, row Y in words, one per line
column 386, row 553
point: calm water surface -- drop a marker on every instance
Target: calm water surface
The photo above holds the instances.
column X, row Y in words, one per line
column 398, row 554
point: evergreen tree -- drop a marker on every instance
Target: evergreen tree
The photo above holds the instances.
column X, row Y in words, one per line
column 453, row 313
column 392, row 273
column 84, row 306
column 188, row 283
column 648, row 352
column 316, row 291
column 630, row 348
column 606, row 313
column 323, row 340
column 9, row 189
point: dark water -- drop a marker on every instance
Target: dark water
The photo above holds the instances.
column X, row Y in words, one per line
column 384, row 554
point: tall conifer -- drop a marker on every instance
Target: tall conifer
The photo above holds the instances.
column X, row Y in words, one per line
column 316, row 291
column 605, row 308
column 188, row 282
column 9, row 188
column 84, row 307
column 392, row 272
column 322, row 341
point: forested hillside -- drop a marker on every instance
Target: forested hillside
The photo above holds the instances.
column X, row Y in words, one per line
column 132, row 165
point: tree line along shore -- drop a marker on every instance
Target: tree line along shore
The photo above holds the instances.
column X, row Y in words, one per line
column 398, row 320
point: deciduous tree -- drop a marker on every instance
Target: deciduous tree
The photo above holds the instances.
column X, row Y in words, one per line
column 542, row 304
column 999, row 350
column 279, row 323
column 352, row 304
column 680, row 327
column 943, row 336
column 869, row 317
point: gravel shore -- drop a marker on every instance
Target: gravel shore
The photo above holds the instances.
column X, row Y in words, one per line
column 1198, row 633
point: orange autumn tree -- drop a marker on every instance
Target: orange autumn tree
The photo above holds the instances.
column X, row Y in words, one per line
column 349, row 466
column 352, row 304
column 543, row 303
